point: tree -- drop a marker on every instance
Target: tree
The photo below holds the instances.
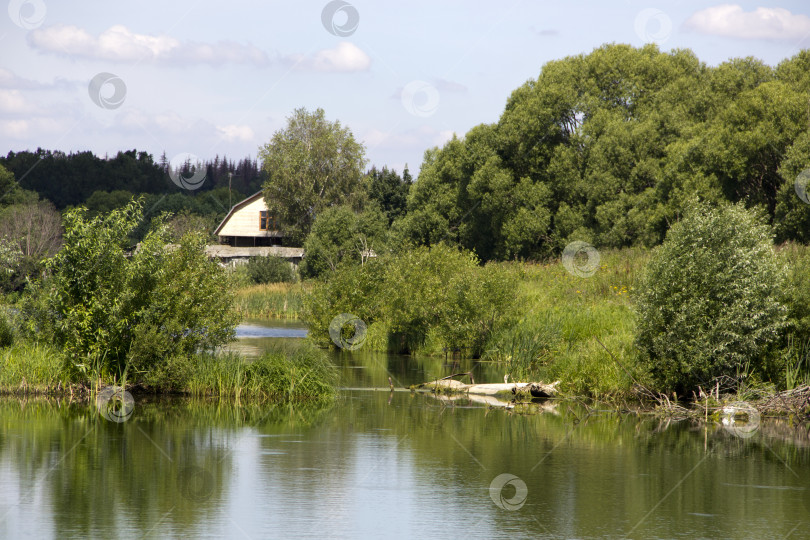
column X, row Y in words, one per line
column 115, row 310
column 389, row 191
column 708, row 303
column 35, row 231
column 340, row 235
column 311, row 165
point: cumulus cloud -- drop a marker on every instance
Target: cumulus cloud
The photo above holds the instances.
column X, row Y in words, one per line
column 119, row 44
column 236, row 133
column 346, row 58
column 730, row 20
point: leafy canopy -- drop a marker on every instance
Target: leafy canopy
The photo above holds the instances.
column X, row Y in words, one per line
column 311, row 164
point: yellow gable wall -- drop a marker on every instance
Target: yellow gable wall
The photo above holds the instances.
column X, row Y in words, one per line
column 245, row 221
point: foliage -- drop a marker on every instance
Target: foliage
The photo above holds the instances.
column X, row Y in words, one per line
column 311, row 164
column 114, row 311
column 438, row 291
column 609, row 146
column 270, row 269
column 34, row 230
column 709, row 303
column 103, row 182
column 389, row 191
column 340, row 235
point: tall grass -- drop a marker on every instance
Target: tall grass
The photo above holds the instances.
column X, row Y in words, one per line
column 27, row 367
column 298, row 373
column 273, row 300
column 561, row 319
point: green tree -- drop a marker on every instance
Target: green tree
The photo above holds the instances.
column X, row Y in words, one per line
column 115, row 310
column 708, row 303
column 311, row 164
column 389, row 191
column 340, row 235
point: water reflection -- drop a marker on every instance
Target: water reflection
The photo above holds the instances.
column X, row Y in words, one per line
column 373, row 467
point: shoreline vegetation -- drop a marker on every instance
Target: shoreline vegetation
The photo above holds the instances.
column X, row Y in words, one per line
column 289, row 373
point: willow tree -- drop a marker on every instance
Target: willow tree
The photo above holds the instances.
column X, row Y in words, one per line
column 311, row 164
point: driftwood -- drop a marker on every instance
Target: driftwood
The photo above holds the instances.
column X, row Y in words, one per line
column 534, row 389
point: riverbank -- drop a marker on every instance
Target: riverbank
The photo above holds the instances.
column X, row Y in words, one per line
column 287, row 373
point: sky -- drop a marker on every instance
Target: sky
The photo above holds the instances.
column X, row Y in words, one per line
column 206, row 78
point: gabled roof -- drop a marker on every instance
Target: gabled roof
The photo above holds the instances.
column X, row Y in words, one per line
column 236, row 207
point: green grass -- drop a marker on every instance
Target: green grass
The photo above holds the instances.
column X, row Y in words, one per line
column 31, row 368
column 271, row 301
column 296, row 373
column 560, row 320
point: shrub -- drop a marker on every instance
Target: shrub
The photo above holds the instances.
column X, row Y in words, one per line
column 113, row 310
column 270, row 269
column 708, row 302
column 439, row 290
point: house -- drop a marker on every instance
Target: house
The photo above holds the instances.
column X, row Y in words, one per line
column 249, row 224
column 250, row 230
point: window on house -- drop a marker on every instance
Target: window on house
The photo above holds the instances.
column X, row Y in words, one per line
column 267, row 222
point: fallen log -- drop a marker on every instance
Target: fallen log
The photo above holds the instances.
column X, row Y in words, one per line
column 534, row 389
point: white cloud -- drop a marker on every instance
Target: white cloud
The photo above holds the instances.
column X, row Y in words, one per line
column 119, row 44
column 346, row 58
column 236, row 133
column 730, row 20
column 13, row 102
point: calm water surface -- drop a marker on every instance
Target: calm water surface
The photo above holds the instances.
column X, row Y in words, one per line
column 383, row 464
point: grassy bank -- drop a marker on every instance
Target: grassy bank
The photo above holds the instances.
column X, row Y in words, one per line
column 271, row 301
column 299, row 373
column 560, row 319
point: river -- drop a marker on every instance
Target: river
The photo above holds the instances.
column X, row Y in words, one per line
column 392, row 465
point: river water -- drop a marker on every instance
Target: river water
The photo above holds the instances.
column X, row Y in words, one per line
column 386, row 464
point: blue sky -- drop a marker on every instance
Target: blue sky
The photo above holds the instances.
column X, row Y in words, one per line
column 210, row 78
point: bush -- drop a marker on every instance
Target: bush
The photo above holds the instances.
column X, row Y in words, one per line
column 439, row 290
column 708, row 303
column 113, row 310
column 270, row 269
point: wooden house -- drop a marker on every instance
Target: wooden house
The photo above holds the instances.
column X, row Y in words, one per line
column 249, row 224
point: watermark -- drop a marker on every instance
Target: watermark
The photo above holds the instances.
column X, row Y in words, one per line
column 420, row 98
column 508, row 500
column 196, row 484
column 115, row 404
column 580, row 259
column 27, row 14
column 653, row 26
column 348, row 331
column 800, row 185
column 340, row 18
column 99, row 90
column 741, row 419
column 187, row 171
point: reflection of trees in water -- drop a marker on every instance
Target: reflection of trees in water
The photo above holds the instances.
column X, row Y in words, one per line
column 166, row 467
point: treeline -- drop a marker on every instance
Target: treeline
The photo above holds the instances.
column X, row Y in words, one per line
column 72, row 179
column 608, row 147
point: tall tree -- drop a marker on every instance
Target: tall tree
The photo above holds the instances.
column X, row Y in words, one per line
column 311, row 164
